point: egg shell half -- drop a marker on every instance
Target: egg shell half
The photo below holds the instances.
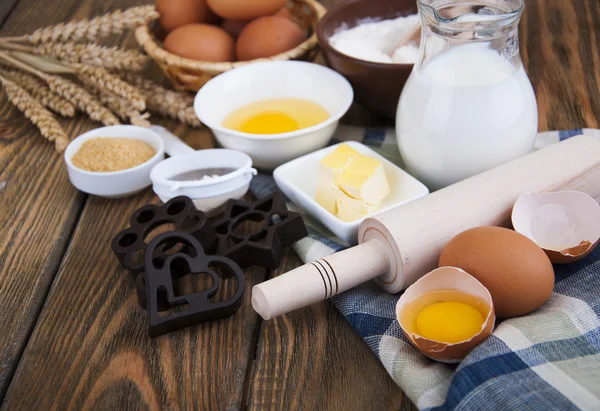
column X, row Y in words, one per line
column 441, row 279
column 565, row 224
column 517, row 272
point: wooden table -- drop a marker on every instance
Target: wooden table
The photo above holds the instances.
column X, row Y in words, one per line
column 72, row 335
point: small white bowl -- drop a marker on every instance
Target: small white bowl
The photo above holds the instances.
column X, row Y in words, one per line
column 298, row 181
column 269, row 80
column 117, row 183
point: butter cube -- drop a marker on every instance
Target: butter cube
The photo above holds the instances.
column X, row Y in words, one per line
column 350, row 209
column 364, row 178
column 351, row 185
column 330, row 168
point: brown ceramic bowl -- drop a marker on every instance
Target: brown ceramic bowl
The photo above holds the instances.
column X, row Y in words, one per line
column 377, row 86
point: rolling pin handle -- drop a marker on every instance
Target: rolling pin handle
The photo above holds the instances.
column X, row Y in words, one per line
column 320, row 279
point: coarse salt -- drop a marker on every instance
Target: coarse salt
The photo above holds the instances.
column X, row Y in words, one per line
column 375, row 41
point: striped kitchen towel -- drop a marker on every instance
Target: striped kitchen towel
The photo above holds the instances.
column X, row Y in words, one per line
column 549, row 359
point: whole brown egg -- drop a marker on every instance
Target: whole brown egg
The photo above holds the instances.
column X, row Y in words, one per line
column 516, row 271
column 201, row 42
column 245, row 9
column 233, row 27
column 268, row 36
column 285, row 13
column 177, row 13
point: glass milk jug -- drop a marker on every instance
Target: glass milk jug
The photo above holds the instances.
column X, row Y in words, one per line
column 468, row 105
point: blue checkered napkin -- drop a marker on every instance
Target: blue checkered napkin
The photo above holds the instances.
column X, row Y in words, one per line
column 549, row 359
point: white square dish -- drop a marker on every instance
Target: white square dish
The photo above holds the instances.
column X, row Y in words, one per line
column 298, row 181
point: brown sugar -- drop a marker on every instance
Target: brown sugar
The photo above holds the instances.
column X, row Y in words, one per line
column 105, row 154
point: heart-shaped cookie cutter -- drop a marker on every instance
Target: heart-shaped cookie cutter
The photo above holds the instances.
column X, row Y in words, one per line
column 162, row 291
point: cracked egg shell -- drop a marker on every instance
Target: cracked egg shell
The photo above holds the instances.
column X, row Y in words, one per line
column 565, row 224
column 457, row 285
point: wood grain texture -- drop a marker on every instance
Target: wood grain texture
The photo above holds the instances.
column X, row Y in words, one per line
column 39, row 209
column 312, row 359
column 89, row 348
column 39, row 206
column 5, row 8
column 560, row 43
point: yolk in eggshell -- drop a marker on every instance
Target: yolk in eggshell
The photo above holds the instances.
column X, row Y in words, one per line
column 449, row 322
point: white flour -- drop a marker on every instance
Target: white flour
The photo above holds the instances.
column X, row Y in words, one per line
column 375, row 40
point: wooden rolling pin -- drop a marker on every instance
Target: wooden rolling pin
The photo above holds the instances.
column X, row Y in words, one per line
column 399, row 246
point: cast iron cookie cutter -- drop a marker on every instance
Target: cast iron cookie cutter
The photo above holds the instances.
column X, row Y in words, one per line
column 280, row 228
column 163, row 293
column 179, row 211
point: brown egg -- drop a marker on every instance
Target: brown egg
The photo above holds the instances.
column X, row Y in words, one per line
column 513, row 268
column 285, row 13
column 245, row 9
column 268, row 36
column 177, row 13
column 201, row 42
column 234, row 27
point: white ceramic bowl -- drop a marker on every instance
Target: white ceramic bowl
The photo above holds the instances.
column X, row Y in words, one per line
column 274, row 79
column 118, row 183
column 298, row 181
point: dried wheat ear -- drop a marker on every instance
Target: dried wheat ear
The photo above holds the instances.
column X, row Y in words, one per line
column 90, row 30
column 61, row 68
column 34, row 111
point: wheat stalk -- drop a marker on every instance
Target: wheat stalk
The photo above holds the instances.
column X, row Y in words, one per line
column 34, row 111
column 170, row 104
column 167, row 103
column 101, row 79
column 77, row 95
column 123, row 109
column 110, row 58
column 98, row 27
column 188, row 116
column 82, row 99
column 40, row 91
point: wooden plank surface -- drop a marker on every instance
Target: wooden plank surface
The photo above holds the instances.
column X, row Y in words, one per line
column 6, row 6
column 107, row 361
column 38, row 206
column 311, row 359
column 560, row 43
column 89, row 347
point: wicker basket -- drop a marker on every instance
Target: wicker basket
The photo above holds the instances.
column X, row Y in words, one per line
column 190, row 75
